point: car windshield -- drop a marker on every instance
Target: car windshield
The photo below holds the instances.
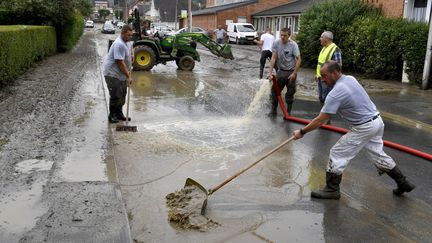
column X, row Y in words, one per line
column 245, row 28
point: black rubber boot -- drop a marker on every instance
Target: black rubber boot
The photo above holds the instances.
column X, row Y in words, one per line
column 289, row 108
column 331, row 190
column 112, row 118
column 261, row 74
column 122, row 117
column 402, row 183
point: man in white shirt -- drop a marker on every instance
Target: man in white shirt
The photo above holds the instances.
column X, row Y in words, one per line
column 266, row 44
column 220, row 34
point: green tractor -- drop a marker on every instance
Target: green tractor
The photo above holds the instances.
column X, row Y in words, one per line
column 181, row 48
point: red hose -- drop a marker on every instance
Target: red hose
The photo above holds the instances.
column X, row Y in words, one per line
column 386, row 143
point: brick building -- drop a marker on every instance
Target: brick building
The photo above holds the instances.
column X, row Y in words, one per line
column 263, row 12
column 237, row 11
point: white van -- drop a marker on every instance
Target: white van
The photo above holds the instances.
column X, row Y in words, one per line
column 241, row 33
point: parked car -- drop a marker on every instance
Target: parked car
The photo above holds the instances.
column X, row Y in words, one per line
column 120, row 24
column 241, row 33
column 194, row 30
column 108, row 28
column 89, row 24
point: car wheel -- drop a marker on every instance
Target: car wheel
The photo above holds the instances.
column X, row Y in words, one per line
column 145, row 58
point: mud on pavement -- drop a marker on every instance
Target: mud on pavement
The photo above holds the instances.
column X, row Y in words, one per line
column 45, row 116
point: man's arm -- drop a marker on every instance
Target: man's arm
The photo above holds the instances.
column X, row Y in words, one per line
column 123, row 68
column 272, row 62
column 337, row 56
column 314, row 124
column 293, row 75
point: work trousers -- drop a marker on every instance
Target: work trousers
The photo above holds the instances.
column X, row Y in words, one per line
column 117, row 90
column 367, row 136
column 323, row 91
column 264, row 56
column 282, row 80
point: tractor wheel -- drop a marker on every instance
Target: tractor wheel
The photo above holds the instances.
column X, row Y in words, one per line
column 145, row 58
column 186, row 63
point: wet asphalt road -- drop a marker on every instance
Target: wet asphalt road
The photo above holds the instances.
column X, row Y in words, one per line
column 210, row 123
column 74, row 183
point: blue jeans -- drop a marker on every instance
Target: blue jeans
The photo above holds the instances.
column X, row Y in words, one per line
column 323, row 90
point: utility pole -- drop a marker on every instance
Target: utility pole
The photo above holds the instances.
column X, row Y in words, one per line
column 176, row 16
column 427, row 63
column 125, row 12
column 190, row 15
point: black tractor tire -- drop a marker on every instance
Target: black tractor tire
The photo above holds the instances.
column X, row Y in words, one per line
column 186, row 63
column 145, row 58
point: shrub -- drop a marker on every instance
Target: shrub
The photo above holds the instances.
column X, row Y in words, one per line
column 332, row 15
column 71, row 32
column 62, row 14
column 413, row 40
column 21, row 46
column 379, row 46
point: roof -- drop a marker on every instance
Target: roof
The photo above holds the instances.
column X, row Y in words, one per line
column 290, row 8
column 219, row 8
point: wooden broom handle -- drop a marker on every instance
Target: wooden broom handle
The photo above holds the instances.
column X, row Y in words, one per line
column 211, row 191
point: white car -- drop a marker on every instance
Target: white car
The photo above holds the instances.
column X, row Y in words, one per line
column 120, row 24
column 89, row 24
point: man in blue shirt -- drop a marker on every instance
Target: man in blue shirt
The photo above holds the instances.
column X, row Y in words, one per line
column 117, row 75
column 350, row 100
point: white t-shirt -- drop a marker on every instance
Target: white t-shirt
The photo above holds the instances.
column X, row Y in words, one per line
column 350, row 100
column 267, row 40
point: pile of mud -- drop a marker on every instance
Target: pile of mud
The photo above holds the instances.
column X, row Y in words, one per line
column 185, row 209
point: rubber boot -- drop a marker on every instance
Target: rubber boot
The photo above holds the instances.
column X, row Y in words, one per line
column 331, row 190
column 289, row 108
column 112, row 118
column 402, row 183
column 261, row 73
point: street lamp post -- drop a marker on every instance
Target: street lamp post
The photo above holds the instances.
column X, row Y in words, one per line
column 190, row 15
column 176, row 17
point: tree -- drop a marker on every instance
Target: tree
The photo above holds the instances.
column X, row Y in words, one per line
column 103, row 13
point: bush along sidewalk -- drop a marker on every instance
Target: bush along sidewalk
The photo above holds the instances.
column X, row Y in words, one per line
column 371, row 44
column 22, row 45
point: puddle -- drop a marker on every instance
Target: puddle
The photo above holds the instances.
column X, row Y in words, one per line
column 21, row 205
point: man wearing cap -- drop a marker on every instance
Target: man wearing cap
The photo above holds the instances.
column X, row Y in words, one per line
column 350, row 100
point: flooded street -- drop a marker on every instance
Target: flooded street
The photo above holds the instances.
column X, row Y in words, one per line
column 67, row 175
column 211, row 123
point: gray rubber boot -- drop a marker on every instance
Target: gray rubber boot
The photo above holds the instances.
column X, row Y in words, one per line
column 403, row 185
column 331, row 190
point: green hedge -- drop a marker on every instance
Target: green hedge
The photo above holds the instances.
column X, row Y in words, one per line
column 380, row 45
column 70, row 32
column 333, row 15
column 371, row 44
column 21, row 46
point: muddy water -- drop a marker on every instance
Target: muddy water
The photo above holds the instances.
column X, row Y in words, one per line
column 186, row 207
column 206, row 126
